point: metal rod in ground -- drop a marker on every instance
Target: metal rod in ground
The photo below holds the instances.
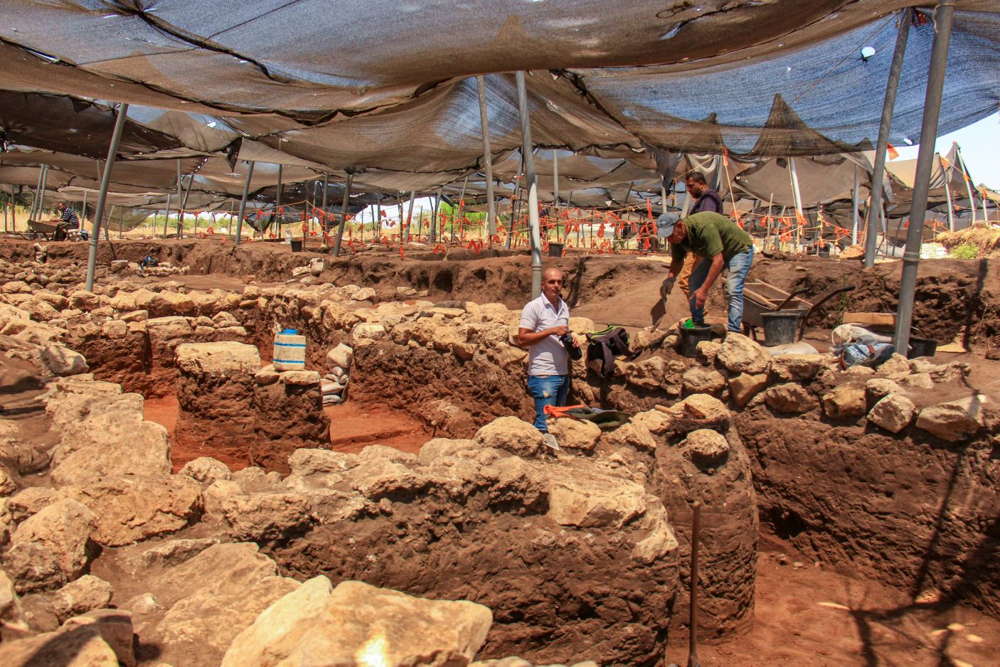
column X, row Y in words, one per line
column 343, row 215
column 491, row 211
column 243, row 202
column 461, row 206
column 277, row 202
column 38, row 190
column 531, row 182
column 946, row 172
column 180, row 188
column 925, row 158
column 888, row 105
column 102, row 196
column 693, row 611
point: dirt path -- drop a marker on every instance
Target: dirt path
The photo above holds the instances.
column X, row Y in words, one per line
column 811, row 615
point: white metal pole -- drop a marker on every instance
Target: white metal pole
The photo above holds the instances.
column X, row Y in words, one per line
column 531, row 181
column 102, row 196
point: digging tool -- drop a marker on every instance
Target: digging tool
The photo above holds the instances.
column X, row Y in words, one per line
column 693, row 619
column 660, row 307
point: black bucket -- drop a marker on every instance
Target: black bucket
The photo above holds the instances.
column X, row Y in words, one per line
column 781, row 326
column 555, row 249
column 296, row 245
column 690, row 337
column 921, row 347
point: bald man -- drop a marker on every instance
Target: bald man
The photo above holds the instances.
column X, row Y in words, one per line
column 543, row 321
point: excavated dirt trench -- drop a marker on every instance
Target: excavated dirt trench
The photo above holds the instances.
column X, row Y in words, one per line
column 838, row 494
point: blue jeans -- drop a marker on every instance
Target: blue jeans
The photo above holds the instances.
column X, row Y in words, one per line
column 737, row 269
column 547, row 390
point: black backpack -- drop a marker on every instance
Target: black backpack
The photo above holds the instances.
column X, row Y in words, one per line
column 604, row 346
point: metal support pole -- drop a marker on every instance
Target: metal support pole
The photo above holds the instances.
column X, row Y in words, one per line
column 947, row 193
column 184, row 203
column 166, row 218
column 277, row 201
column 409, row 216
column 888, row 105
column 461, row 207
column 434, row 215
column 968, row 185
column 323, row 224
column 555, row 189
column 491, row 211
column 343, row 214
column 116, row 137
column 854, row 207
column 925, row 156
column 243, row 203
column 797, row 196
column 531, row 181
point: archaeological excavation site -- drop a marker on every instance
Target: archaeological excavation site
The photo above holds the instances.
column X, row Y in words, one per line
column 168, row 488
column 499, row 333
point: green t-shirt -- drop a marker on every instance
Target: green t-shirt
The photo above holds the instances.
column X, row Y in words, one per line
column 709, row 234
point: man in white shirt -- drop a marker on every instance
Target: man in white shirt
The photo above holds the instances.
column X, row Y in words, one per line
column 543, row 321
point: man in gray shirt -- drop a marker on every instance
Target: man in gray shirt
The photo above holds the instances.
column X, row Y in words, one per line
column 543, row 321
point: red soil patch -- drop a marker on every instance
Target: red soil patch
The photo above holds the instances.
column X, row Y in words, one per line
column 353, row 426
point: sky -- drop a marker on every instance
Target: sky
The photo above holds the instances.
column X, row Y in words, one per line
column 980, row 144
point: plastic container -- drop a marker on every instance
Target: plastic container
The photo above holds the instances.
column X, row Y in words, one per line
column 781, row 326
column 289, row 351
column 690, row 337
column 555, row 249
column 296, row 245
column 921, row 347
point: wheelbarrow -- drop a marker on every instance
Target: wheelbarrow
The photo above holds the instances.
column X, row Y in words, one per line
column 761, row 297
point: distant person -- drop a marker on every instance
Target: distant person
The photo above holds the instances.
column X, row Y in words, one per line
column 721, row 245
column 544, row 329
column 67, row 221
column 707, row 199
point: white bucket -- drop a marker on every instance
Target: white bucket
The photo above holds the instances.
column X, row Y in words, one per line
column 289, row 351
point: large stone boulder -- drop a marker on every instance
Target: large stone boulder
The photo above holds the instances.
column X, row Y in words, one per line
column 513, row 435
column 953, row 421
column 356, row 623
column 739, row 354
column 845, row 402
column 592, row 500
column 698, row 411
column 790, row 398
column 745, row 386
column 893, row 413
column 702, row 380
column 573, row 434
column 49, row 549
column 130, row 509
column 219, row 359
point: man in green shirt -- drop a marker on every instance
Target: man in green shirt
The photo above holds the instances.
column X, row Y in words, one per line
column 719, row 244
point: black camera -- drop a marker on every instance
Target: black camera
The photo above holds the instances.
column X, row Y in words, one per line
column 567, row 340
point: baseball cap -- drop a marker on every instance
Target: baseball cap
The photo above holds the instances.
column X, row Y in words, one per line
column 665, row 224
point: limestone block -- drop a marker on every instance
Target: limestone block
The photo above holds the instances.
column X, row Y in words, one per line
column 654, row 421
column 632, row 435
column 878, row 388
column 706, row 448
column 80, row 596
column 340, row 356
column 299, row 378
column 61, row 360
column 745, row 386
column 367, row 331
column 572, row 434
column 917, row 381
column 364, row 294
column 49, row 548
column 360, row 624
column 698, row 411
column 790, row 398
column 162, row 329
column 739, row 354
column 797, row 367
column 63, row 648
column 844, row 402
column 440, row 447
column 585, row 500
column 703, row 380
column 953, row 421
column 513, row 435
column 129, row 509
column 223, row 359
column 206, row 470
column 266, row 516
column 708, row 351
column 893, row 413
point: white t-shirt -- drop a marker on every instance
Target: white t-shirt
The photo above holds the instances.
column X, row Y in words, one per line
column 548, row 356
